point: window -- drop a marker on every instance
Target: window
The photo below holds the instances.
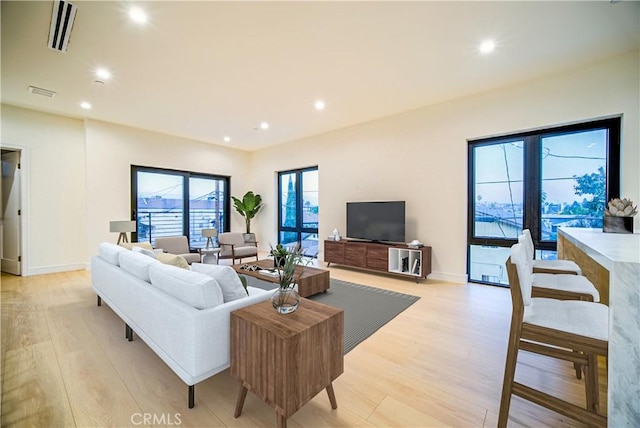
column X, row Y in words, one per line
column 170, row 203
column 540, row 181
column 298, row 209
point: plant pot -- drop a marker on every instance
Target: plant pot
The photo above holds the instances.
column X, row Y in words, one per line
column 278, row 261
column 285, row 301
column 613, row 224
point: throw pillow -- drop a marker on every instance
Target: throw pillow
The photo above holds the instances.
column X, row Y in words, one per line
column 131, row 245
column 227, row 278
column 144, row 251
column 173, row 260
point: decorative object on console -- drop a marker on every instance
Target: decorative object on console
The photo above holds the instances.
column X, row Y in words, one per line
column 248, row 207
column 122, row 227
column 336, row 234
column 415, row 244
column 286, row 298
column 209, row 234
column 618, row 217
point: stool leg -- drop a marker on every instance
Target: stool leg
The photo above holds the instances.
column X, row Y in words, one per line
column 509, row 373
column 591, row 383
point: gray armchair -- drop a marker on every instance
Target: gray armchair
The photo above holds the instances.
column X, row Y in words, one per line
column 177, row 245
column 234, row 247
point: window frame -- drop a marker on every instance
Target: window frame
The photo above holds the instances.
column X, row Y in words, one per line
column 186, row 175
column 532, row 177
column 299, row 203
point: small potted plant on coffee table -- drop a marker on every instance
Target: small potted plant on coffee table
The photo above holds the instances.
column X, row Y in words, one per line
column 279, row 255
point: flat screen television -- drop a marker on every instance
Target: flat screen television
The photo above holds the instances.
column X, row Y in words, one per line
column 376, row 221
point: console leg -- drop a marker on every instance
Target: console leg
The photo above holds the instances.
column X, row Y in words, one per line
column 99, row 300
column 192, row 396
column 240, row 401
column 128, row 332
column 332, row 396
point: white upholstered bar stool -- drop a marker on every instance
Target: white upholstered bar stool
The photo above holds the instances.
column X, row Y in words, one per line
column 564, row 286
column 571, row 330
column 548, row 266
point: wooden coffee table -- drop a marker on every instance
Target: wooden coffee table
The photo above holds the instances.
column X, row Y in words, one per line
column 311, row 280
column 286, row 360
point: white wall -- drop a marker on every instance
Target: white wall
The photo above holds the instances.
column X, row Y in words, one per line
column 78, row 178
column 79, row 172
column 421, row 156
column 54, row 173
column 112, row 149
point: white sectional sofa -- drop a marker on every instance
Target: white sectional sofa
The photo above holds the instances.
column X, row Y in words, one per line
column 183, row 315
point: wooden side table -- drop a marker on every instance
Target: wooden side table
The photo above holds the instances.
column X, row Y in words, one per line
column 286, row 360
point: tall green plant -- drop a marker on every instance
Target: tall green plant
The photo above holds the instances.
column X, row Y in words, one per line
column 248, row 207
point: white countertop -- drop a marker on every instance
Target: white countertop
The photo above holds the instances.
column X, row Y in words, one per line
column 605, row 248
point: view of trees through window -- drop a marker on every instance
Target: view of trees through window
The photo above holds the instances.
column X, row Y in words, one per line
column 298, row 214
column 540, row 181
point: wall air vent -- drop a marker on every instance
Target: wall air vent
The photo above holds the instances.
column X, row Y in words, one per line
column 62, row 17
column 40, row 91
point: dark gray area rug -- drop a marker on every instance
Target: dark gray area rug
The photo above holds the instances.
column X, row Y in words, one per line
column 366, row 309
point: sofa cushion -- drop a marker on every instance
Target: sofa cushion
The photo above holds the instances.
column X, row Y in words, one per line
column 136, row 264
column 109, row 252
column 193, row 288
column 227, row 279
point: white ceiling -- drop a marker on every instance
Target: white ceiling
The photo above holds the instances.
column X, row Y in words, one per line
column 203, row 70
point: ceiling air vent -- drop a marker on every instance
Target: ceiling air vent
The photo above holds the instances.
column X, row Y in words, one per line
column 62, row 17
column 40, row 91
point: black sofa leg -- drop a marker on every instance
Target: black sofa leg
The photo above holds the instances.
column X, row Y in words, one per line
column 192, row 396
column 128, row 332
column 99, row 300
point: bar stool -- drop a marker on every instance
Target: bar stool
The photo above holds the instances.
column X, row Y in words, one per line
column 558, row 285
column 554, row 328
column 548, row 266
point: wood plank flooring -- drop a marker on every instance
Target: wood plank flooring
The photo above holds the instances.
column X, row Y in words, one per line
column 66, row 363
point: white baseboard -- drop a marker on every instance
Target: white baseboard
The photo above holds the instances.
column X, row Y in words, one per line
column 55, row 269
column 448, row 277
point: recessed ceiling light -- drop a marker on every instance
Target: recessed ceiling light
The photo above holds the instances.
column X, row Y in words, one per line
column 487, row 46
column 85, row 105
column 226, row 138
column 137, row 15
column 103, row 74
column 319, row 105
column 264, row 125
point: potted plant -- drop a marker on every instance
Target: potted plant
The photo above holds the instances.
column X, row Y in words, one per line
column 279, row 255
column 285, row 298
column 248, row 207
column 618, row 217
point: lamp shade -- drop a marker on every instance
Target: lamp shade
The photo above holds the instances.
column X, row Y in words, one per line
column 122, row 226
column 209, row 233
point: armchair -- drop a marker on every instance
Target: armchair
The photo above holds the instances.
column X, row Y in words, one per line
column 177, row 245
column 234, row 247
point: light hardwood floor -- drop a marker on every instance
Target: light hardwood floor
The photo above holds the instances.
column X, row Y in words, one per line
column 65, row 363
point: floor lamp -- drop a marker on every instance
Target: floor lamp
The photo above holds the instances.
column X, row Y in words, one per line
column 122, row 227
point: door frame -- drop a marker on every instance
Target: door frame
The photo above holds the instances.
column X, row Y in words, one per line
column 24, row 205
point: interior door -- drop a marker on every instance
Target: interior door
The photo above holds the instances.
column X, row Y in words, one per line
column 11, row 206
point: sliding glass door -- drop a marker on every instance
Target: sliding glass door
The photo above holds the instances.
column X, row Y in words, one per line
column 171, row 203
column 541, row 180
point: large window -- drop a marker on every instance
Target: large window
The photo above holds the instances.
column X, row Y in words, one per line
column 169, row 203
column 298, row 209
column 540, row 181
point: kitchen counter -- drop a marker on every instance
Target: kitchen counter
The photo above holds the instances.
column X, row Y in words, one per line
column 618, row 255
